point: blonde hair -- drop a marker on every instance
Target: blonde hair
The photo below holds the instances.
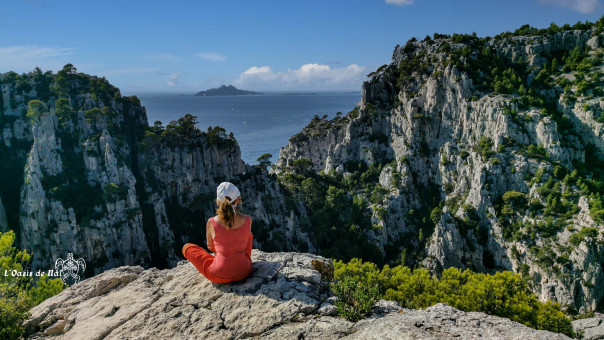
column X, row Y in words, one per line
column 226, row 211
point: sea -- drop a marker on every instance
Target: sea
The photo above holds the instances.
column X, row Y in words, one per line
column 260, row 123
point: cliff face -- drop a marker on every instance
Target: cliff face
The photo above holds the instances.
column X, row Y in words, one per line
column 285, row 297
column 489, row 154
column 476, row 153
column 83, row 173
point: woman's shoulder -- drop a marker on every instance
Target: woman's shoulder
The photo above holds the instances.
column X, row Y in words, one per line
column 243, row 218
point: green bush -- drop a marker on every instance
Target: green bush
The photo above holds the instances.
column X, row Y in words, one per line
column 92, row 115
column 378, row 195
column 596, row 208
column 19, row 294
column 35, row 109
column 435, row 215
column 264, row 161
column 576, row 238
column 485, row 148
column 356, row 287
column 338, row 218
column 218, row 136
column 355, row 299
column 514, row 198
column 503, row 294
column 536, row 151
column 113, row 191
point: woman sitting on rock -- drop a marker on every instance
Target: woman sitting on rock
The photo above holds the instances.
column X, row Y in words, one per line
column 229, row 237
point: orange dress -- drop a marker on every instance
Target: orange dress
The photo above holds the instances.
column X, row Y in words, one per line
column 233, row 254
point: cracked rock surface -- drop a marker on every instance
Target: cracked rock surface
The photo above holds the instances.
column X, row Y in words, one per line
column 179, row 303
column 285, row 297
column 592, row 328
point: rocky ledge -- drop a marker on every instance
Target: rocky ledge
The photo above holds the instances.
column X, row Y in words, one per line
column 286, row 297
column 591, row 328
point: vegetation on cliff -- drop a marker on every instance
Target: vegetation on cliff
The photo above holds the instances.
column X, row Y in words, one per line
column 76, row 99
column 493, row 142
column 533, row 191
column 19, row 291
column 358, row 285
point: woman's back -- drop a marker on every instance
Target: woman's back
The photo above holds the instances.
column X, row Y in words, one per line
column 233, row 249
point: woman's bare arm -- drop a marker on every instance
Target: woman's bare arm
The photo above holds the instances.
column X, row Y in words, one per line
column 248, row 249
column 210, row 236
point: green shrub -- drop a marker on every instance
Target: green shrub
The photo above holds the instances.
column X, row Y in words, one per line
column 381, row 213
column 536, row 151
column 356, row 287
column 113, row 191
column 378, row 195
column 264, row 161
column 435, row 215
column 514, row 198
column 355, row 298
column 397, row 179
column 505, row 294
column 218, row 136
column 92, row 115
column 19, row 294
column 485, row 148
column 596, row 208
column 576, row 238
column 35, row 109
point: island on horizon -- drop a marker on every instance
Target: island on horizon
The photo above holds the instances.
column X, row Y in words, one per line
column 225, row 90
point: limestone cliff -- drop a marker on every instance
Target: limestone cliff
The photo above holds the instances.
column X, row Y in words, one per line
column 480, row 153
column 82, row 172
column 284, row 298
column 489, row 153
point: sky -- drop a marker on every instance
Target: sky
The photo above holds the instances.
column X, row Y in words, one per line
column 187, row 46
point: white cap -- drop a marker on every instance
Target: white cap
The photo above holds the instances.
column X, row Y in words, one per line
column 227, row 189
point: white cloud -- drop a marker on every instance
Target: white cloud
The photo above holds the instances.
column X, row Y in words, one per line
column 583, row 6
column 173, row 79
column 308, row 76
column 400, row 2
column 161, row 57
column 262, row 73
column 26, row 58
column 212, row 56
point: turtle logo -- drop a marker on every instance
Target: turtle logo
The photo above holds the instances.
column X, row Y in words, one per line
column 69, row 268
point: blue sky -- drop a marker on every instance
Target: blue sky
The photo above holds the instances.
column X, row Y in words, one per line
column 186, row 46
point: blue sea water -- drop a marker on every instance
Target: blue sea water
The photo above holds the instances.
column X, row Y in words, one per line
column 260, row 123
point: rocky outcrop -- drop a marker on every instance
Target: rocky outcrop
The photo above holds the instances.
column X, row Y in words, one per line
column 450, row 141
column 442, row 133
column 85, row 174
column 590, row 328
column 225, row 90
column 284, row 298
column 444, row 322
